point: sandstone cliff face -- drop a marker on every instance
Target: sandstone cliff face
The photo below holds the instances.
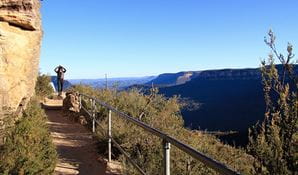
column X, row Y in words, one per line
column 20, row 39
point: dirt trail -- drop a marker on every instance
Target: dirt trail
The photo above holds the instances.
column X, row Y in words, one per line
column 76, row 149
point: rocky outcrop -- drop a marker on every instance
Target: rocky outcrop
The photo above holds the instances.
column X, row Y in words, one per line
column 71, row 102
column 20, row 39
column 21, row 13
column 71, row 108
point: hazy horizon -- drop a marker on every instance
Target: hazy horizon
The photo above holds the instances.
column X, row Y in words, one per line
column 103, row 78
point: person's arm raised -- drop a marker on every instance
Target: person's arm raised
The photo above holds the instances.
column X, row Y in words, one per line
column 56, row 69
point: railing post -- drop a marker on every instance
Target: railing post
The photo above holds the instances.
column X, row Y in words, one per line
column 166, row 148
column 188, row 167
column 80, row 101
column 93, row 116
column 110, row 135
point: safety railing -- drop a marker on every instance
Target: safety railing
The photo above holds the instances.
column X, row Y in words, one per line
column 167, row 140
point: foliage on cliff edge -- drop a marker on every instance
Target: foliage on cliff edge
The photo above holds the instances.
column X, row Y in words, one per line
column 28, row 148
column 274, row 142
column 163, row 114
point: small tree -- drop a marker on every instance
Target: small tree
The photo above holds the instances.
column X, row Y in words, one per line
column 43, row 87
column 274, row 142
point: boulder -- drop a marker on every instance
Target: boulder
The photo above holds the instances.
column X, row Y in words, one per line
column 71, row 102
column 82, row 120
column 71, row 108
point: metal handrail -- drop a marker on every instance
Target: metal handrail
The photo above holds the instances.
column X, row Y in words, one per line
column 209, row 162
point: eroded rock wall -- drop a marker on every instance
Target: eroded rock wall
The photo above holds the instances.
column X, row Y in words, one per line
column 20, row 40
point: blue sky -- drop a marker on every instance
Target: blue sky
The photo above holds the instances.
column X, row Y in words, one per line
column 129, row 38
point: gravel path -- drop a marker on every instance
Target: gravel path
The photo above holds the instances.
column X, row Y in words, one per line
column 76, row 149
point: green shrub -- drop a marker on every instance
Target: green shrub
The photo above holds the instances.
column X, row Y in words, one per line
column 163, row 114
column 28, row 148
column 274, row 142
column 43, row 87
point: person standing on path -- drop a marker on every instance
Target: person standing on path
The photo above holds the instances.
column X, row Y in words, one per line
column 60, row 70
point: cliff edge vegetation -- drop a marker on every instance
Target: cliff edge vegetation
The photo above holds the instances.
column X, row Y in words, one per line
column 274, row 142
column 163, row 114
column 28, row 147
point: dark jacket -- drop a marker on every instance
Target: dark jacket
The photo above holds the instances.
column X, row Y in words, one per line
column 60, row 70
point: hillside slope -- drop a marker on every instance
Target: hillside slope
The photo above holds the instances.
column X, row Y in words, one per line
column 220, row 102
column 230, row 99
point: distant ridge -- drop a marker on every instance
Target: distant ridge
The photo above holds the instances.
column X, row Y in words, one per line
column 173, row 79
